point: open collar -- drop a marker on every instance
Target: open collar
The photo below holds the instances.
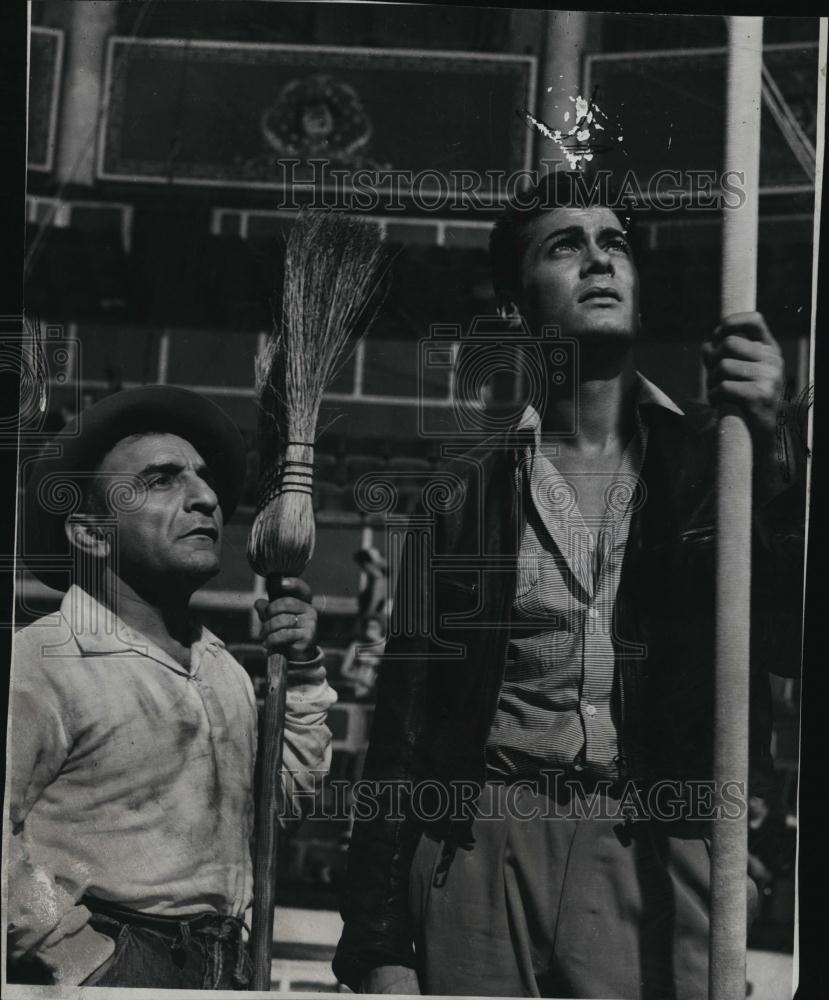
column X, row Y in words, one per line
column 645, row 394
column 553, row 495
column 98, row 631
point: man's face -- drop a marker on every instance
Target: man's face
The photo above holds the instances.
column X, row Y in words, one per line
column 174, row 537
column 577, row 273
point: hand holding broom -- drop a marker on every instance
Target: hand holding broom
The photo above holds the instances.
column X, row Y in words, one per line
column 333, row 267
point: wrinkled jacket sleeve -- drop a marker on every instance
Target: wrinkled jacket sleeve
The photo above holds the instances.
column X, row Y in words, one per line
column 778, row 559
column 377, row 926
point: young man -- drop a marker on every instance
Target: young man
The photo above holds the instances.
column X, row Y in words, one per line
column 582, row 604
column 133, row 729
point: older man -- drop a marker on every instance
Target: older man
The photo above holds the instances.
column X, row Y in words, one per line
column 575, row 584
column 133, row 729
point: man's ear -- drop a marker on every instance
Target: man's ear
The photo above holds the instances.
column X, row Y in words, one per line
column 86, row 536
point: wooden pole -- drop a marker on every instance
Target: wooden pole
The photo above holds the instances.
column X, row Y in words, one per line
column 89, row 28
column 334, row 267
column 271, row 732
column 559, row 78
column 726, row 974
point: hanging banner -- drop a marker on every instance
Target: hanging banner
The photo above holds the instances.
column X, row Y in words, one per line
column 271, row 116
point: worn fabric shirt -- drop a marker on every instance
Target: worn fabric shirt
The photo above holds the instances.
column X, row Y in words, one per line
column 132, row 777
column 555, row 709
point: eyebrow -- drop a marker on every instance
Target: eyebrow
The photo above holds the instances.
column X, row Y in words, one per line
column 581, row 231
column 174, row 467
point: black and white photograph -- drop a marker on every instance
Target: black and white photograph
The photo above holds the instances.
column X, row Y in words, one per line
column 412, row 476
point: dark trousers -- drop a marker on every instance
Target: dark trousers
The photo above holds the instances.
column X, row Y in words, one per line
column 203, row 952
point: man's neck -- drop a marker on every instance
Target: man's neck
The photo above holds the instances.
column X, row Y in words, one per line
column 166, row 622
column 601, row 401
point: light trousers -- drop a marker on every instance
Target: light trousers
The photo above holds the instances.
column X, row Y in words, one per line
column 562, row 906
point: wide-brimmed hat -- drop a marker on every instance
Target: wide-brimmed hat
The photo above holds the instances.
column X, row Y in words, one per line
column 58, row 477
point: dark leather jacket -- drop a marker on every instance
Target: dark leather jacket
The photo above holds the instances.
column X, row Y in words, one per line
column 434, row 710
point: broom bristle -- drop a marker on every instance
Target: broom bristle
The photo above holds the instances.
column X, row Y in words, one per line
column 333, row 266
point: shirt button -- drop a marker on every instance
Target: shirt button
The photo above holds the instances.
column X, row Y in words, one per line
column 592, row 612
column 590, row 710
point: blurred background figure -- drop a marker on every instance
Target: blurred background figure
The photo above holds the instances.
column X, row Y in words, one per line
column 359, row 666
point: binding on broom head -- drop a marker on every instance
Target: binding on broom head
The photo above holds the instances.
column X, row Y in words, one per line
column 333, row 267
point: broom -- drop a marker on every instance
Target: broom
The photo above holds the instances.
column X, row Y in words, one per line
column 333, row 268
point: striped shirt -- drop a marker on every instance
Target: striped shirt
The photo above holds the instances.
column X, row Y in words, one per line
column 555, row 708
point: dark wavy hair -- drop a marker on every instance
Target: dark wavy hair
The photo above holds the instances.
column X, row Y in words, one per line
column 557, row 189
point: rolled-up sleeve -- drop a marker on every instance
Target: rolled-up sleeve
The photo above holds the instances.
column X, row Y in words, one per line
column 306, row 754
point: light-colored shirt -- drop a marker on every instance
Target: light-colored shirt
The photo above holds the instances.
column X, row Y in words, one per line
column 131, row 778
column 556, row 708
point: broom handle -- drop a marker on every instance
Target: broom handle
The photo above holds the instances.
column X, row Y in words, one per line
column 727, row 980
column 267, row 798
